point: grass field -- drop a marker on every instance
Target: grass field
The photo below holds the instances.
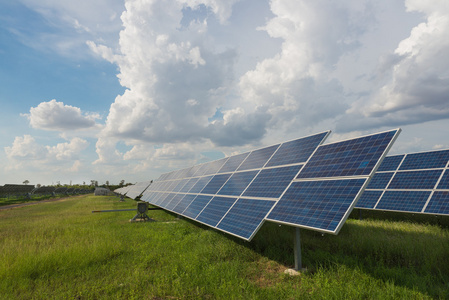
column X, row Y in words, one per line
column 60, row 250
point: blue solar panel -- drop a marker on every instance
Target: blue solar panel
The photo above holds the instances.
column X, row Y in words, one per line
column 439, row 203
column 380, row 180
column 258, row 158
column 390, row 163
column 368, row 199
column 214, row 166
column 444, row 182
column 321, row 205
column 166, row 199
column 415, row 179
column 215, row 210
column 200, row 184
column 233, row 163
column 348, row 158
column 245, row 217
column 296, row 151
column 425, row 160
column 180, row 185
column 190, row 183
column 182, row 205
column 173, row 202
column 271, row 183
column 196, row 206
column 237, row 183
column 409, row 201
column 215, row 184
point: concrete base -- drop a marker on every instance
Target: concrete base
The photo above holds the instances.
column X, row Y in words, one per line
column 141, row 220
column 293, row 272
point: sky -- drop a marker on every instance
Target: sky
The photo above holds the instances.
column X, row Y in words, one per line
column 112, row 90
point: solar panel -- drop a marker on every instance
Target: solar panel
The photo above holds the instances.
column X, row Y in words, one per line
column 380, row 180
column 237, row 183
column 444, row 182
column 233, row 163
column 439, row 203
column 425, row 160
column 353, row 157
column 285, row 183
column 409, row 201
column 196, row 206
column 317, row 204
column 258, row 158
column 215, row 210
column 215, row 184
column 297, row 151
column 271, row 183
column 369, row 199
column 390, row 163
column 331, row 182
column 245, row 217
column 414, row 178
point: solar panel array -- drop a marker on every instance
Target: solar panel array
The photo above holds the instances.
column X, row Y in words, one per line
column 324, row 192
column 300, row 183
column 415, row 183
column 137, row 189
column 234, row 194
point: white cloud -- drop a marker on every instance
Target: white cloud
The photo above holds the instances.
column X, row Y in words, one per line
column 26, row 153
column 53, row 115
column 25, row 148
column 416, row 75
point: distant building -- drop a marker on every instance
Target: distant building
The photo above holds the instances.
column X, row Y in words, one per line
column 99, row 191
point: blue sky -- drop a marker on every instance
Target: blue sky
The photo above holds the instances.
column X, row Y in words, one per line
column 126, row 89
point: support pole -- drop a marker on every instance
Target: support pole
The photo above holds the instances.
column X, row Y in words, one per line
column 297, row 250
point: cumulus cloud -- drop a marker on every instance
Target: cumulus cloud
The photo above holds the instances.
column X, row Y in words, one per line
column 27, row 153
column 25, row 148
column 416, row 75
column 53, row 115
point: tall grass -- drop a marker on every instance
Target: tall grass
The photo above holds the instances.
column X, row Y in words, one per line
column 61, row 250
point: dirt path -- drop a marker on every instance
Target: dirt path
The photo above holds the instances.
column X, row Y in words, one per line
column 36, row 202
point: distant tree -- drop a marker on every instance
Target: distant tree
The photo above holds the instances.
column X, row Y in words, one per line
column 96, row 183
column 38, row 185
column 26, row 182
column 107, row 182
column 122, row 182
column 84, row 183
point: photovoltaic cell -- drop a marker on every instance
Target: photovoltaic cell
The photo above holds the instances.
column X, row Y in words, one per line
column 321, row 205
column 182, row 205
column 380, row 180
column 166, row 200
column 409, row 201
column 190, row 183
column 196, row 206
column 296, row 151
column 258, row 158
column 237, row 183
column 415, row 179
column 425, row 160
column 348, row 158
column 439, row 203
column 390, row 163
column 368, row 199
column 233, row 163
column 173, row 202
column 214, row 166
column 444, row 182
column 215, row 210
column 180, row 185
column 245, row 217
column 200, row 184
column 271, row 183
column 215, row 184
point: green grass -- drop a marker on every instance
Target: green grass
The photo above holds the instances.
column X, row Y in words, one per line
column 60, row 250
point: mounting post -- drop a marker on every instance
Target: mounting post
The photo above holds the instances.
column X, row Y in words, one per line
column 297, row 250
